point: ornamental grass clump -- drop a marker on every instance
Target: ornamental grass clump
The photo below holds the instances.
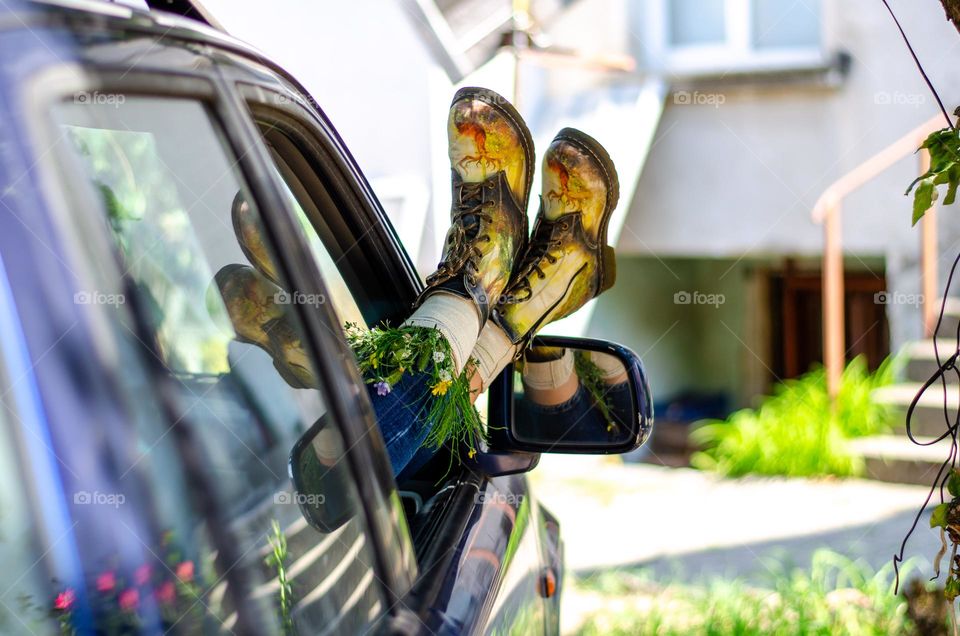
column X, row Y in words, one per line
column 796, row 432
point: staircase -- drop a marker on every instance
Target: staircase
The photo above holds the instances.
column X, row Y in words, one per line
column 895, row 458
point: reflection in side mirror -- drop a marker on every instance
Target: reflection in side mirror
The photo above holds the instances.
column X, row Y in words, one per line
column 576, row 395
column 319, row 479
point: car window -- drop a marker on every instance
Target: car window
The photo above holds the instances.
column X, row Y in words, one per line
column 223, row 325
column 347, row 248
column 27, row 593
column 344, row 303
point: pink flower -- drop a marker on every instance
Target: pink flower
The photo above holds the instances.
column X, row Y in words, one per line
column 106, row 582
column 166, row 593
column 65, row 600
column 129, row 600
column 142, row 574
column 185, row 571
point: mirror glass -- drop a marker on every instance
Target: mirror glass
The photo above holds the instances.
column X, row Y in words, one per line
column 320, row 479
column 567, row 397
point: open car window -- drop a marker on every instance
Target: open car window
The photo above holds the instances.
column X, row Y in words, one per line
column 225, row 328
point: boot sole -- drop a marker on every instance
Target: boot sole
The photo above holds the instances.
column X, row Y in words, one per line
column 593, row 147
column 501, row 103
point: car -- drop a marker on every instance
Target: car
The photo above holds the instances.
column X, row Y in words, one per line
column 158, row 471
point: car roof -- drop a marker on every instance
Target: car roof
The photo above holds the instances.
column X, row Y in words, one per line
column 115, row 18
column 27, row 14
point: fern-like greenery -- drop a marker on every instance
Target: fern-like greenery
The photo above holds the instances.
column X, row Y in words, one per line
column 797, row 432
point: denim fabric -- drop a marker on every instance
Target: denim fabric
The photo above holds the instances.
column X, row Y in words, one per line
column 574, row 420
column 400, row 415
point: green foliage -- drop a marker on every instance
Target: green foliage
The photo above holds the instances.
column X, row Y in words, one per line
column 835, row 596
column 796, row 432
column 384, row 355
column 277, row 559
column 938, row 518
column 944, row 148
column 591, row 378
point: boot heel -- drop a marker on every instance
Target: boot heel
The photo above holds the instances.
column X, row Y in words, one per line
column 609, row 260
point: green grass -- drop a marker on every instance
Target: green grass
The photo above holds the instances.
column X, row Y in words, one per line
column 835, row 595
column 795, row 432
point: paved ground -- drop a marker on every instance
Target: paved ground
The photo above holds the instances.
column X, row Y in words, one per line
column 685, row 525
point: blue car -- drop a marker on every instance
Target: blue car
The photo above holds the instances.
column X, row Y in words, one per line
column 158, row 471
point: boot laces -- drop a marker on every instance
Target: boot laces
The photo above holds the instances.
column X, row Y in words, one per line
column 463, row 240
column 539, row 254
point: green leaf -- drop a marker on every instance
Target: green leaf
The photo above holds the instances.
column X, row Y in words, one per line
column 953, row 181
column 951, row 589
column 953, row 484
column 938, row 518
column 922, row 199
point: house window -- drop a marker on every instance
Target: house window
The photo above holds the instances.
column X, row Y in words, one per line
column 697, row 22
column 697, row 37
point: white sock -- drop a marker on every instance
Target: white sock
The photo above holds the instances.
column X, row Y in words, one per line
column 610, row 366
column 493, row 352
column 551, row 374
column 453, row 316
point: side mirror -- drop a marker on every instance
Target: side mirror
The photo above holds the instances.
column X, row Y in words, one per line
column 319, row 479
column 576, row 395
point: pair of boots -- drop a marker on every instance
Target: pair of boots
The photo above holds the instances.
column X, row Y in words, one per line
column 495, row 286
column 517, row 284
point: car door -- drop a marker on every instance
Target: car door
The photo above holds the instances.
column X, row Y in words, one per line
column 176, row 500
column 479, row 540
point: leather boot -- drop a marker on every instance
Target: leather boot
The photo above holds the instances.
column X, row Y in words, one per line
column 491, row 158
column 567, row 261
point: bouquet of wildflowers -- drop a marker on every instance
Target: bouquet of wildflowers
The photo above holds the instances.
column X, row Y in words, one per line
column 385, row 355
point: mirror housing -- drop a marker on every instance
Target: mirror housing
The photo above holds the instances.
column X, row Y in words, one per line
column 618, row 426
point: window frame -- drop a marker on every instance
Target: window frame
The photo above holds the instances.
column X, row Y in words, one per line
column 333, row 163
column 737, row 54
column 61, row 83
column 67, row 399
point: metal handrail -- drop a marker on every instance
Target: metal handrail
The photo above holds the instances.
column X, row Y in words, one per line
column 828, row 211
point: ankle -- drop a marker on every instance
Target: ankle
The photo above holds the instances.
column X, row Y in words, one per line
column 493, row 351
column 453, row 316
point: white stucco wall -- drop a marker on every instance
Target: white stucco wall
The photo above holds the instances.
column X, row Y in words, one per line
column 741, row 177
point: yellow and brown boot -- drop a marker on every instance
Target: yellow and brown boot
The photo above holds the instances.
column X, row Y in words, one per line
column 491, row 159
column 260, row 313
column 567, row 261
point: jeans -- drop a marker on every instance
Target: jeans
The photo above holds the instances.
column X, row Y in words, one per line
column 401, row 412
column 400, row 415
column 575, row 420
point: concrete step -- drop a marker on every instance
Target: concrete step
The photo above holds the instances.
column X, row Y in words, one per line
column 951, row 319
column 893, row 458
column 928, row 419
column 922, row 360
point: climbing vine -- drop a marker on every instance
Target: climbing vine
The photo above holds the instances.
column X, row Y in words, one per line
column 944, row 148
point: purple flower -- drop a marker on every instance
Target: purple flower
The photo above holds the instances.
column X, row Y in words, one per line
column 382, row 388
